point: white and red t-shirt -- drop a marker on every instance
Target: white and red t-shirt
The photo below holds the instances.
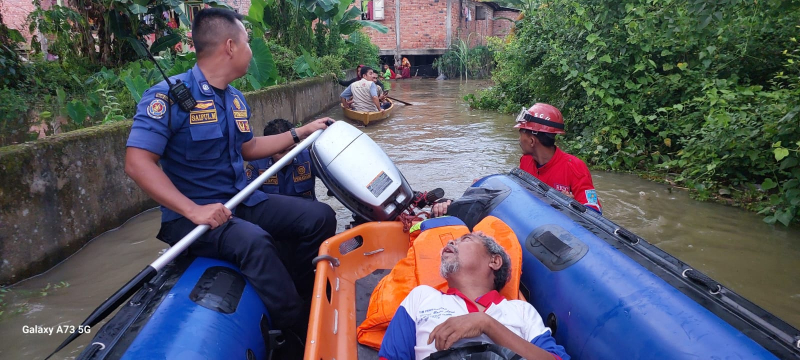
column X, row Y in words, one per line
column 565, row 172
column 425, row 308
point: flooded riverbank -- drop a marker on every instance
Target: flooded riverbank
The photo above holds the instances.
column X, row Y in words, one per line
column 440, row 142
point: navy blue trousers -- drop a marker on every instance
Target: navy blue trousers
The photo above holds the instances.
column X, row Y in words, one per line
column 273, row 244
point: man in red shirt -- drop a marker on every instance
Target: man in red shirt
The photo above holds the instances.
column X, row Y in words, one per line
column 566, row 173
column 541, row 158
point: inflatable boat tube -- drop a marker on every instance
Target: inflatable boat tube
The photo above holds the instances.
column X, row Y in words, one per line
column 606, row 293
column 197, row 308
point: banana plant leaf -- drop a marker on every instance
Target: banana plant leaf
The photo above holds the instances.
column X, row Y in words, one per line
column 343, row 10
column 372, row 24
column 164, row 42
column 258, row 28
column 256, row 13
column 137, row 9
column 328, row 5
column 253, row 82
column 77, row 111
column 312, row 61
column 136, row 45
column 350, row 14
column 116, row 23
column 136, row 86
column 262, row 66
column 306, row 65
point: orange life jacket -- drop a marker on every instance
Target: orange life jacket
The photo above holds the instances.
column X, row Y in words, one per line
column 421, row 267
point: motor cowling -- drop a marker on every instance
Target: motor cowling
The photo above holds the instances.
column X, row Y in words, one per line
column 360, row 174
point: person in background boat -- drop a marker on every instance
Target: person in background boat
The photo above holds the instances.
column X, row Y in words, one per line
column 295, row 179
column 406, row 72
column 388, row 73
column 364, row 93
column 347, row 83
column 385, row 104
column 541, row 158
column 202, row 153
column 471, row 311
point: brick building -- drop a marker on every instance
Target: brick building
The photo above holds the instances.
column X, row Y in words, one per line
column 15, row 14
column 425, row 29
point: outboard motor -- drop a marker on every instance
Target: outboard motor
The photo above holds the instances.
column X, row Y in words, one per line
column 357, row 171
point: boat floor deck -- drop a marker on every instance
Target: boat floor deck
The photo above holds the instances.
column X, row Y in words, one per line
column 364, row 288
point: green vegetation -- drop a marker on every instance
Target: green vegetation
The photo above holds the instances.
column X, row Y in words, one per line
column 314, row 37
column 92, row 69
column 461, row 61
column 704, row 93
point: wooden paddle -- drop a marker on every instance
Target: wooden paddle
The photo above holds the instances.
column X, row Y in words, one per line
column 400, row 101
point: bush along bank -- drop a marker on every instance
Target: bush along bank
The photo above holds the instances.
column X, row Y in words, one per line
column 75, row 84
column 707, row 94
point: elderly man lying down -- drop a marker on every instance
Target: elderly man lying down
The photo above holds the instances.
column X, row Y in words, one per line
column 471, row 312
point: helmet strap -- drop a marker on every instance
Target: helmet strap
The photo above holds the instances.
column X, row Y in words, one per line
column 530, row 118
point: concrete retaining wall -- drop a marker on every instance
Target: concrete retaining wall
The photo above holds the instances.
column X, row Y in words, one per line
column 58, row 193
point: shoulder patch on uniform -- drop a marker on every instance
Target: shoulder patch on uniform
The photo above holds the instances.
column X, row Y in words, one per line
column 239, row 110
column 243, row 125
column 205, row 88
column 164, row 97
column 301, row 172
column 156, row 109
column 591, row 197
column 248, row 171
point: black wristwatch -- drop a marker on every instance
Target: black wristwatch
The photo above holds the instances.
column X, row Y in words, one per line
column 294, row 135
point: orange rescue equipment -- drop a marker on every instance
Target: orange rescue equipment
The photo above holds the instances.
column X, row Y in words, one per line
column 421, row 267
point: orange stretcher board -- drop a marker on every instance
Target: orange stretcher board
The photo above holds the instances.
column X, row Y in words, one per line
column 332, row 327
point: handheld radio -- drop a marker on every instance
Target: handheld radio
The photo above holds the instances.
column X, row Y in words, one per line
column 178, row 90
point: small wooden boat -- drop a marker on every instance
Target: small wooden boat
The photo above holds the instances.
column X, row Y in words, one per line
column 368, row 117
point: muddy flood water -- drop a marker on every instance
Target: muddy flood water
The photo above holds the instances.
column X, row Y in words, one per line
column 438, row 142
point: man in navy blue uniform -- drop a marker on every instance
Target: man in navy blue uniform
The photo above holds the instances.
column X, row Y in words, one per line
column 295, row 179
column 271, row 239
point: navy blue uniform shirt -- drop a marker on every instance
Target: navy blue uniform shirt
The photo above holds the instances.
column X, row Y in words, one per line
column 200, row 150
column 296, row 179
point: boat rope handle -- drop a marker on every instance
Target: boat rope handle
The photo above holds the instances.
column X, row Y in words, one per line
column 543, row 186
column 577, row 206
column 334, row 261
column 713, row 287
column 627, row 235
column 94, row 348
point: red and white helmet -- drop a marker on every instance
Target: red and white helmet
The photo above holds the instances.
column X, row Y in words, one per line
column 541, row 118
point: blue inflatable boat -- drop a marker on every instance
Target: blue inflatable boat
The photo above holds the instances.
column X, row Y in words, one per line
column 605, row 293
